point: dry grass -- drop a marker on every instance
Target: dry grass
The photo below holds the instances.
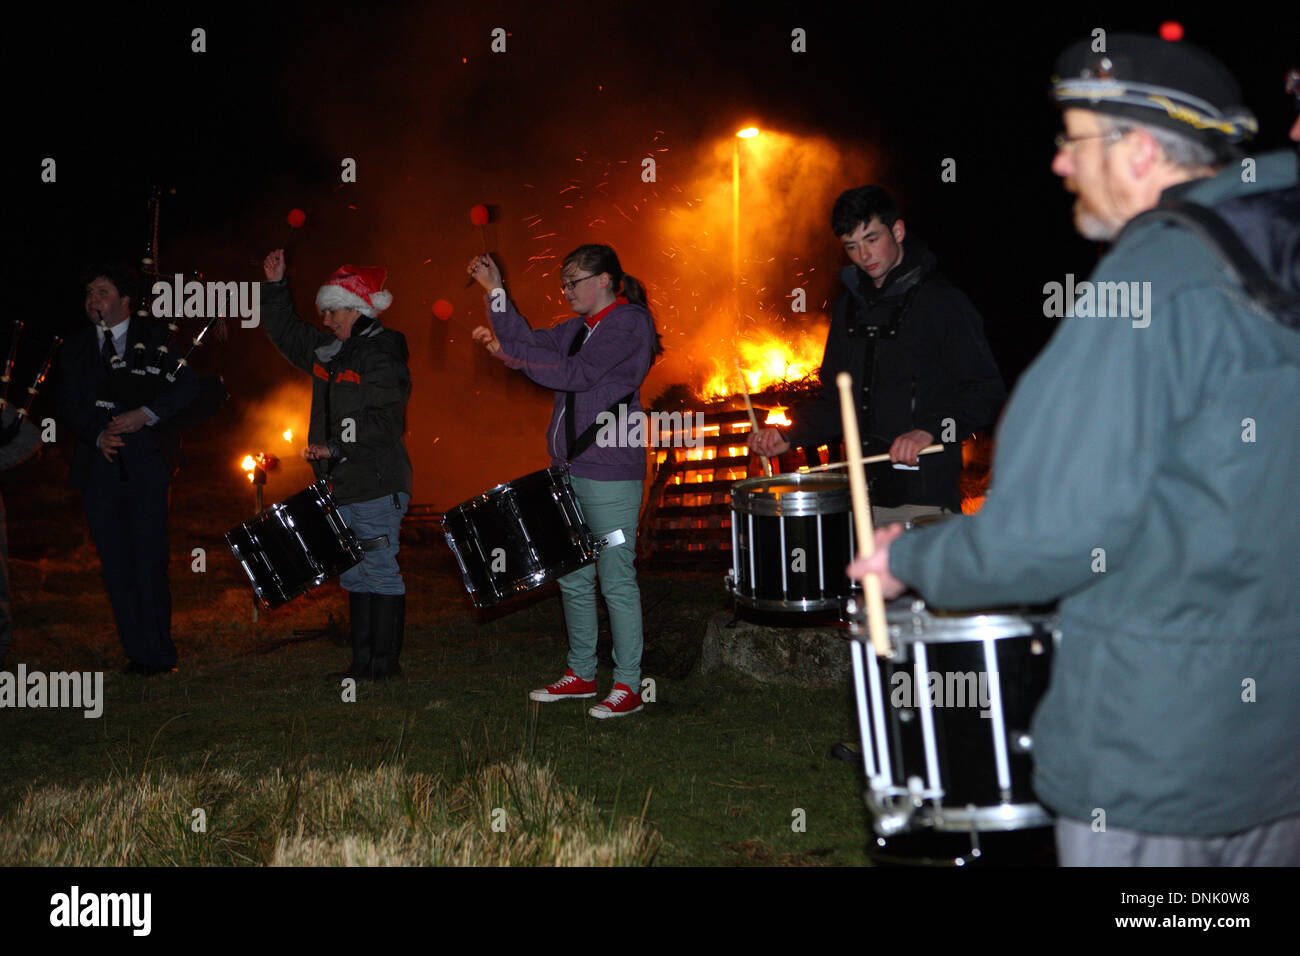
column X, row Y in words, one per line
column 502, row 814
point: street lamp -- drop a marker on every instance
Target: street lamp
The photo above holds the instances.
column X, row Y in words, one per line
column 749, row 132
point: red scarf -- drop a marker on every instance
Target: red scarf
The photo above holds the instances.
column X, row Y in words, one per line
column 593, row 319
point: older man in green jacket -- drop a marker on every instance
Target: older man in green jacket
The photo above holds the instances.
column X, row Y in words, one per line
column 1146, row 477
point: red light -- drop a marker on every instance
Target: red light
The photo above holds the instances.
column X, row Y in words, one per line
column 1171, row 30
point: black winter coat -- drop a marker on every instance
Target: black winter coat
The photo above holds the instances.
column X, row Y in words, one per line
column 364, row 383
column 934, row 372
column 153, row 450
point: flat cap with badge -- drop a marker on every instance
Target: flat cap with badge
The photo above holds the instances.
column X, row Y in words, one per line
column 1170, row 84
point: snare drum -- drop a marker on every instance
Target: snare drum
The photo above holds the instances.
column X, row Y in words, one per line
column 791, row 539
column 518, row 536
column 295, row 545
column 945, row 720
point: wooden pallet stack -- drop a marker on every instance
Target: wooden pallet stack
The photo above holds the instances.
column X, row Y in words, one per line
column 686, row 520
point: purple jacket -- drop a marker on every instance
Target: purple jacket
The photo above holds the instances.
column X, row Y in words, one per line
column 613, row 361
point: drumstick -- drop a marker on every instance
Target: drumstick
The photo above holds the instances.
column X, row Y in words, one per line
column 753, row 422
column 862, row 516
column 869, row 460
column 463, row 327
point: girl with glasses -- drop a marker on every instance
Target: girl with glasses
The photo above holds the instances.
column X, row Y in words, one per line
column 595, row 363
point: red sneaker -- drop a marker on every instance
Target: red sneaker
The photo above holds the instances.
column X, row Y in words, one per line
column 622, row 700
column 568, row 687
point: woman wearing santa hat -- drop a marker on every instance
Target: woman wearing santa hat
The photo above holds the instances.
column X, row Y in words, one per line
column 595, row 362
column 360, row 385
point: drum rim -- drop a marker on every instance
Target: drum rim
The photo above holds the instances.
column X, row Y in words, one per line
column 553, row 471
column 806, row 507
column 768, row 604
column 830, row 602
column 323, row 496
column 798, row 477
column 524, row 583
column 747, row 499
column 994, row 624
column 984, row 818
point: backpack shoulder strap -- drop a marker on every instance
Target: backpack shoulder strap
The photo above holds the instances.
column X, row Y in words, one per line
column 1241, row 263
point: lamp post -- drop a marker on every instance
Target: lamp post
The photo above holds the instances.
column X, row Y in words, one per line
column 749, row 132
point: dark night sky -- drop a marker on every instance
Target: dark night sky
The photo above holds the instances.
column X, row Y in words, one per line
column 258, row 125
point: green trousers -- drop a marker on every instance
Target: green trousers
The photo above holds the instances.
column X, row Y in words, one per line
column 607, row 506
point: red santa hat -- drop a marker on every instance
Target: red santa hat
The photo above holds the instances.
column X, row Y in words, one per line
column 355, row 287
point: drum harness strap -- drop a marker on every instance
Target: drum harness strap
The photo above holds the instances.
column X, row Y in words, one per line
column 579, row 444
column 328, row 353
column 855, row 327
column 381, row 542
column 1243, row 266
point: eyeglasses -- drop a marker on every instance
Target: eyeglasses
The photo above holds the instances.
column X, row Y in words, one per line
column 1063, row 140
column 568, row 285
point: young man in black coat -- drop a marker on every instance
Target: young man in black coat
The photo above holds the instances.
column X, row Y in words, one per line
column 914, row 345
column 922, row 369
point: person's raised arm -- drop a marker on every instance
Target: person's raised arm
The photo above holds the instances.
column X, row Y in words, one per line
column 296, row 340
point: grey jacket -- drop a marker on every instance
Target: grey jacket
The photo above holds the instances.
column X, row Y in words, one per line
column 24, row 441
column 1170, row 451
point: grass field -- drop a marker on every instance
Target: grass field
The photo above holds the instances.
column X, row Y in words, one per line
column 250, row 730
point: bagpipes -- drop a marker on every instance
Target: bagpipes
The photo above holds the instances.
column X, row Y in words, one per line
column 136, row 383
column 140, row 381
column 7, row 432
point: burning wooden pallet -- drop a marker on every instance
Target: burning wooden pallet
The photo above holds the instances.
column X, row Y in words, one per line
column 686, row 520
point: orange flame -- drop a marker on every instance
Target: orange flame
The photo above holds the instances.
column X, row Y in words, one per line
column 767, row 357
column 777, row 416
column 288, row 434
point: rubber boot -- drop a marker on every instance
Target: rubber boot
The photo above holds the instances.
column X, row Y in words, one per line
column 399, row 633
column 360, row 623
column 387, row 623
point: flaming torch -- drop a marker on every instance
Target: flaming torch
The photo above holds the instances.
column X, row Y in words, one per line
column 256, row 466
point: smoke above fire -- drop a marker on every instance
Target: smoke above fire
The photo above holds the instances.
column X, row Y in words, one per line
column 276, row 424
column 551, row 186
column 751, row 262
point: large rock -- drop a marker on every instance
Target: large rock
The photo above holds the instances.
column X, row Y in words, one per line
column 813, row 657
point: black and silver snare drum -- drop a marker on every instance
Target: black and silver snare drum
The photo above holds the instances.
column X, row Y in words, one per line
column 293, row 546
column 517, row 536
column 791, row 539
column 945, row 719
